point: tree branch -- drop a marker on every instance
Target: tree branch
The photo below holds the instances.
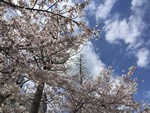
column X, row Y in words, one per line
column 38, row 10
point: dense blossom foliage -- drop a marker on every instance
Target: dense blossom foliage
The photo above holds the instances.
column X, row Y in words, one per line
column 37, row 37
column 33, row 41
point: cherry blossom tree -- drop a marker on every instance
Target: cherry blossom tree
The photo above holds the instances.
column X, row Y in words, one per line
column 105, row 94
column 37, row 37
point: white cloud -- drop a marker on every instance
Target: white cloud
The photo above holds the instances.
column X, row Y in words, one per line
column 92, row 63
column 136, row 3
column 143, row 56
column 91, row 8
column 104, row 10
column 139, row 6
column 127, row 30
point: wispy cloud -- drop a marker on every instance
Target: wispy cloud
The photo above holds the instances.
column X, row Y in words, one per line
column 143, row 56
column 138, row 2
column 91, row 8
column 103, row 10
column 129, row 30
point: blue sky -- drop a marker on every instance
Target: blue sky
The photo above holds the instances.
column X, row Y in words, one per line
column 124, row 38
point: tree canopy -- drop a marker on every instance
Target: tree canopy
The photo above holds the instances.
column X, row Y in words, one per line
column 37, row 38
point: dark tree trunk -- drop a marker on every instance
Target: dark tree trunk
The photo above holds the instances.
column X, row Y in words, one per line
column 37, row 98
column 45, row 103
